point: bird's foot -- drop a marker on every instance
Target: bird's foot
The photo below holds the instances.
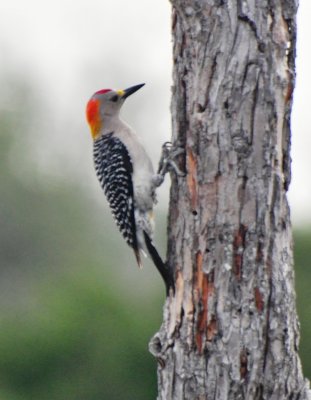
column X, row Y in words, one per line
column 167, row 162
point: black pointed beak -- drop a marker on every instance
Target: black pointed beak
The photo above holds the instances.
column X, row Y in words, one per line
column 131, row 90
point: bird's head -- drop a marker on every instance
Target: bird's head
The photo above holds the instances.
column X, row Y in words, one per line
column 104, row 104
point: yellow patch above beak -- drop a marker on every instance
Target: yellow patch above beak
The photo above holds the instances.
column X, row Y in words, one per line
column 120, row 92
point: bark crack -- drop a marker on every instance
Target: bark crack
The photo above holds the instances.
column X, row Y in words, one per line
column 242, row 16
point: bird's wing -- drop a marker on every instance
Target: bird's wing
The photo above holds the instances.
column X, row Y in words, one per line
column 114, row 170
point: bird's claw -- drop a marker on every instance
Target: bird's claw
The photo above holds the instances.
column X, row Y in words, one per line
column 167, row 162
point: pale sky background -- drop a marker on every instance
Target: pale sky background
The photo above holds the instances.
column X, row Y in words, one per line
column 68, row 49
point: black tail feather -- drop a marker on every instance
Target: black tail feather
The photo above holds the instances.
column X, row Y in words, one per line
column 163, row 268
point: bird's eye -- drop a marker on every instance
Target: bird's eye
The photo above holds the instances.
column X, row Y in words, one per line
column 114, row 98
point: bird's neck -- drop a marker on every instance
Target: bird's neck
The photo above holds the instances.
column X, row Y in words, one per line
column 107, row 125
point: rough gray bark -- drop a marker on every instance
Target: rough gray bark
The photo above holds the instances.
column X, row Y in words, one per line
column 231, row 330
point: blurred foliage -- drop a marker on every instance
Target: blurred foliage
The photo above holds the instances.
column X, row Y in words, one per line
column 75, row 316
column 80, row 342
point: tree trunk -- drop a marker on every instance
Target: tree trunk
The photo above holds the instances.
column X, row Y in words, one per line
column 231, row 329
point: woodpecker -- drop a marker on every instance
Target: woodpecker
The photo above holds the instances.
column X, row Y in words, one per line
column 126, row 174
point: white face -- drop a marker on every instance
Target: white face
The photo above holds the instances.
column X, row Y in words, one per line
column 110, row 102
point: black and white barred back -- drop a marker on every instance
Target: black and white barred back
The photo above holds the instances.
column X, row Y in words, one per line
column 114, row 170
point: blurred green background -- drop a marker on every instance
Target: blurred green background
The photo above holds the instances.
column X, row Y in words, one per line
column 76, row 313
